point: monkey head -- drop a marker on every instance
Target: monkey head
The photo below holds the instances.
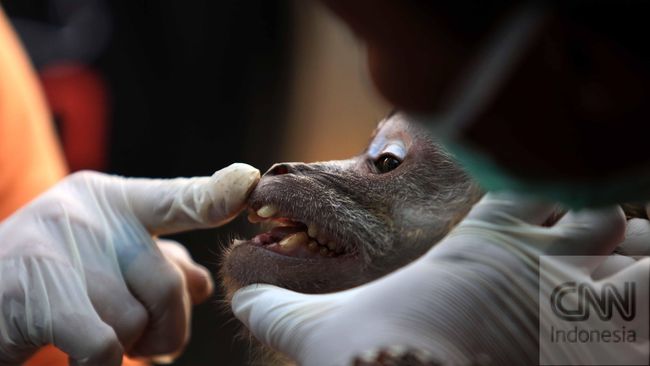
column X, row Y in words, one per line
column 333, row 225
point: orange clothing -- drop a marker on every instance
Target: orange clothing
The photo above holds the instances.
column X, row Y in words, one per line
column 30, row 158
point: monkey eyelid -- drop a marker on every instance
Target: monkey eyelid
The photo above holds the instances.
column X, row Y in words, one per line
column 395, row 148
column 382, row 144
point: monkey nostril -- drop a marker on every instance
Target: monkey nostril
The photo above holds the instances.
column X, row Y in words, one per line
column 278, row 169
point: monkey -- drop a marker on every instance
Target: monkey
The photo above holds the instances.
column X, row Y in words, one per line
column 334, row 225
column 338, row 224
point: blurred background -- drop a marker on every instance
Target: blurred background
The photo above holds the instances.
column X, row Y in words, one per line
column 184, row 88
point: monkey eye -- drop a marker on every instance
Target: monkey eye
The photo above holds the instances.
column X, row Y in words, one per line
column 386, row 162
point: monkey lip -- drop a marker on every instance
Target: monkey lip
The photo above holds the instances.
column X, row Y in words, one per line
column 302, row 247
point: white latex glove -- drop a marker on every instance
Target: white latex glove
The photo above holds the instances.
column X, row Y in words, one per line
column 79, row 267
column 472, row 299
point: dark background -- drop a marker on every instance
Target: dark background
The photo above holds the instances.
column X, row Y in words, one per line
column 191, row 87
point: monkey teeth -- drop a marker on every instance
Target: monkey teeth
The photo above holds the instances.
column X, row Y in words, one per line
column 321, row 243
column 312, row 230
column 267, row 211
column 294, row 240
column 312, row 246
column 322, row 239
column 312, row 239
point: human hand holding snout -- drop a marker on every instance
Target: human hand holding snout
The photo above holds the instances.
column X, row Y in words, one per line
column 81, row 266
column 472, row 299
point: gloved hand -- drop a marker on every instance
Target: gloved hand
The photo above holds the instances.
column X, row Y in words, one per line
column 80, row 267
column 472, row 299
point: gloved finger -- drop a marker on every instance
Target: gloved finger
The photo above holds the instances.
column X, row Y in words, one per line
column 88, row 341
column 591, row 234
column 197, row 278
column 611, row 265
column 506, row 208
column 168, row 206
column 116, row 306
column 160, row 286
column 80, row 332
column 184, row 204
column 278, row 317
column 637, row 238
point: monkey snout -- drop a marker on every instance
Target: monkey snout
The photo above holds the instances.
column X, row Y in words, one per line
column 286, row 168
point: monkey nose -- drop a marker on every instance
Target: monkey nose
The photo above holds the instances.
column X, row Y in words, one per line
column 278, row 169
column 288, row 168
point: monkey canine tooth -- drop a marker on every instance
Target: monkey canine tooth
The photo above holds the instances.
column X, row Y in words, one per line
column 294, row 240
column 237, row 242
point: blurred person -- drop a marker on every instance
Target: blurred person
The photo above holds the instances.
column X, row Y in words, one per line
column 80, row 266
column 30, row 159
column 546, row 98
column 63, row 46
column 74, row 31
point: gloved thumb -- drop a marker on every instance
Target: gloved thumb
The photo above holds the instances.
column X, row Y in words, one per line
column 281, row 318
